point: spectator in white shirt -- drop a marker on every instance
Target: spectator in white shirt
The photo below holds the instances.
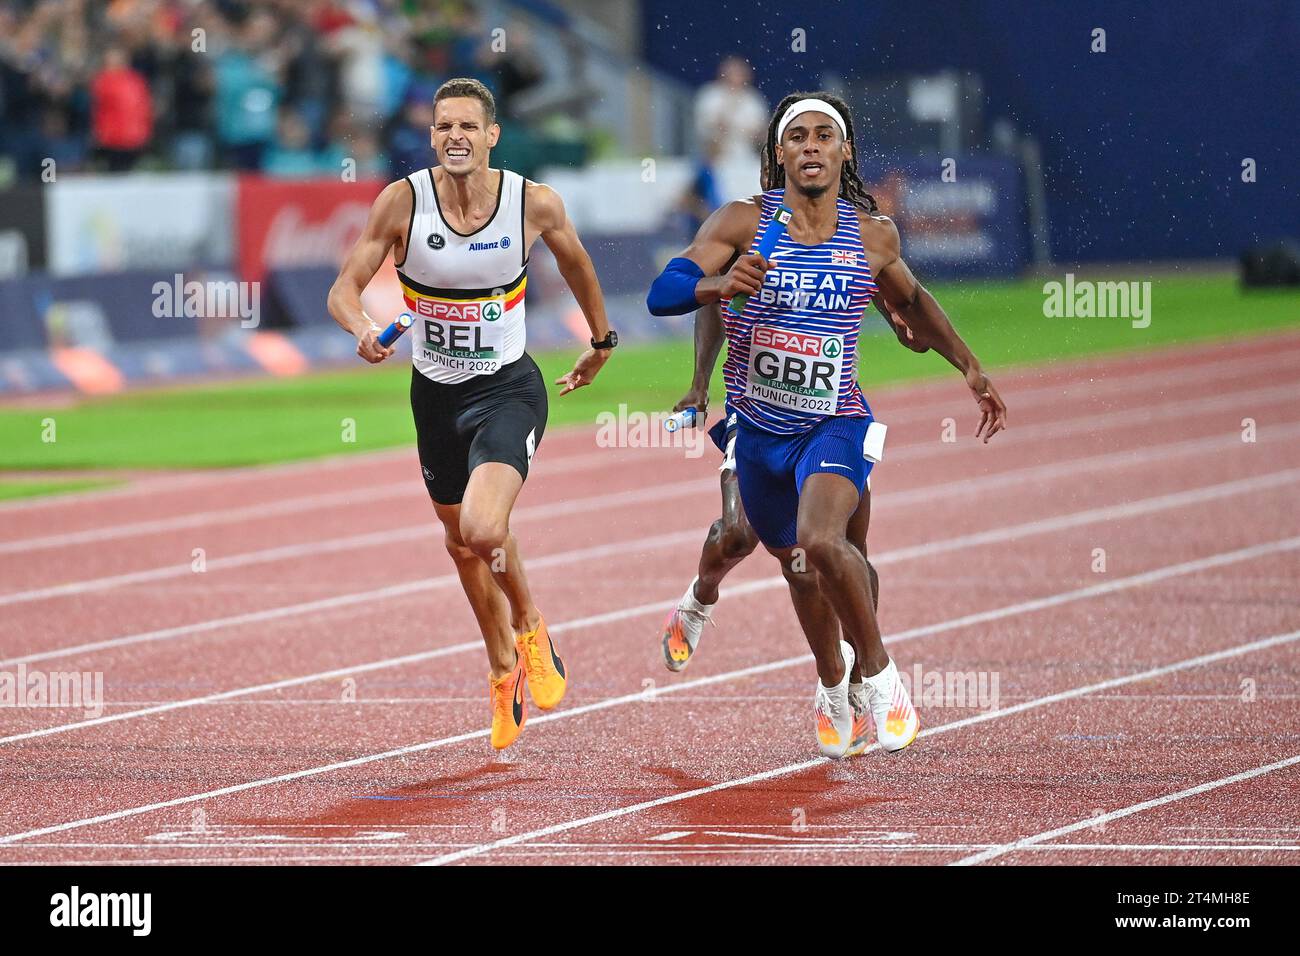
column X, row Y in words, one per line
column 731, row 114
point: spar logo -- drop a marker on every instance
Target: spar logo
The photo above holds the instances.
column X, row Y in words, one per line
column 452, row 311
column 799, row 343
column 491, row 311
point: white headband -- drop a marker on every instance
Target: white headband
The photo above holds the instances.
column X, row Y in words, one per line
column 810, row 106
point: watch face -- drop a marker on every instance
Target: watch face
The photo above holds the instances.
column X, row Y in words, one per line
column 613, row 338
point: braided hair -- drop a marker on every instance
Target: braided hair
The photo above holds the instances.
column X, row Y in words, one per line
column 851, row 186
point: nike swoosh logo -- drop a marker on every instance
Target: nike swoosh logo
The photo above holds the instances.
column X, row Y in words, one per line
column 519, row 698
column 555, row 658
column 831, row 464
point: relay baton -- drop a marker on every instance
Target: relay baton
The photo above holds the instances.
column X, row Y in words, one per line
column 683, row 419
column 766, row 246
column 394, row 330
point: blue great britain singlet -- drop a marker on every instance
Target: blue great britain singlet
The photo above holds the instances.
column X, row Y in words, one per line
column 792, row 354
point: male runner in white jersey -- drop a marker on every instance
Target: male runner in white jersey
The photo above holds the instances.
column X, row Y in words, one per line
column 460, row 234
column 791, row 367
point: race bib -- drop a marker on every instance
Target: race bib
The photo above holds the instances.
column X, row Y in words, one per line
column 460, row 336
column 796, row 370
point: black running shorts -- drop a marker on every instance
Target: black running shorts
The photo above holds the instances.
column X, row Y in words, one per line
column 498, row 417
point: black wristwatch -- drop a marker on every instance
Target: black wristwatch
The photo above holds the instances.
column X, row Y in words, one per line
column 608, row 342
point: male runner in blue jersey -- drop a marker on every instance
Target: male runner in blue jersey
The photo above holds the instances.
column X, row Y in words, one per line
column 731, row 539
column 791, row 377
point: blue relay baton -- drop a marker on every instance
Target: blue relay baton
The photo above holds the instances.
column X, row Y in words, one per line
column 395, row 329
column 766, row 246
column 683, row 419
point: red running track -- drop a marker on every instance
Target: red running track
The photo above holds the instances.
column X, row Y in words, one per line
column 316, row 693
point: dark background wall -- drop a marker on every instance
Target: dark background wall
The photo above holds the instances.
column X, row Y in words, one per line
column 1142, row 145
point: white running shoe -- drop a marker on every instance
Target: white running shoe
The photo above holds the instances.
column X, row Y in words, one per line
column 861, row 705
column 834, row 714
column 682, row 630
column 891, row 708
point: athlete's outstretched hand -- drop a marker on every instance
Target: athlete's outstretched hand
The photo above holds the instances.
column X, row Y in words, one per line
column 746, row 276
column 994, row 417
column 368, row 346
column 699, row 400
column 584, row 370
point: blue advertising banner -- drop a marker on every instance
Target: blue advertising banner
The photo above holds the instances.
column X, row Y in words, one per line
column 958, row 218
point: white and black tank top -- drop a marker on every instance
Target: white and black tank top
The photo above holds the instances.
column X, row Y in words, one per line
column 466, row 290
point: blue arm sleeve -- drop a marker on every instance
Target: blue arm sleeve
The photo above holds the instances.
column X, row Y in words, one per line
column 673, row 291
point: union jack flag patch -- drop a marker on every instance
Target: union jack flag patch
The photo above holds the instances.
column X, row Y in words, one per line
column 841, row 258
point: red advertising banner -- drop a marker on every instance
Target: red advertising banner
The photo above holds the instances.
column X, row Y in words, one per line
column 302, row 222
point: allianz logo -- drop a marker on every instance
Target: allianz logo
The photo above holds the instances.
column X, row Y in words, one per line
column 502, row 243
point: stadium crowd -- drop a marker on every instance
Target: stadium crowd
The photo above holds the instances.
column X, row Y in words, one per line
column 285, row 87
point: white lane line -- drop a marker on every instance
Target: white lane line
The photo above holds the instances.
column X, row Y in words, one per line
column 925, row 494
column 928, row 549
column 289, row 506
column 574, row 712
column 1104, row 818
column 812, row 841
column 157, row 481
column 385, row 755
column 983, row 617
column 541, row 850
column 1076, row 692
column 1068, row 429
column 756, row 843
column 1167, row 847
column 612, row 457
column 561, row 627
column 269, row 509
column 1043, row 526
column 190, row 478
column 308, row 549
column 1085, row 370
column 1109, row 386
column 1118, row 584
column 559, row 558
column 1130, row 509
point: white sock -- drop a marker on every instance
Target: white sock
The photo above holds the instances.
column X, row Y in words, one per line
column 691, row 604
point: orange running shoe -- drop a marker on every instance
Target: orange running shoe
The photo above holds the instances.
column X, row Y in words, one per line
column 508, row 711
column 546, row 676
column 682, row 630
